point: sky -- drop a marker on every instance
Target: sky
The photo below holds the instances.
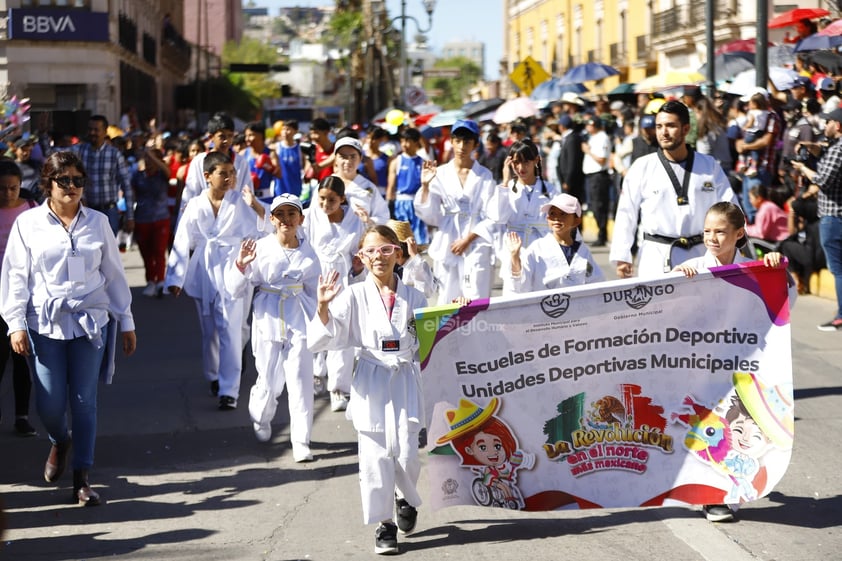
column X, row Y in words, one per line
column 453, row 20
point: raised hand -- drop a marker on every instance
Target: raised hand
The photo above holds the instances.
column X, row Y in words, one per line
column 328, row 288
column 514, row 242
column 248, row 253
column 428, row 172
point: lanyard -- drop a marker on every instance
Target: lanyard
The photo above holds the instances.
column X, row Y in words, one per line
column 68, row 231
column 680, row 189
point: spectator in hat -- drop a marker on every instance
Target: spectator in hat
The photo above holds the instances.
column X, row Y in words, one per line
column 829, row 97
column 645, row 142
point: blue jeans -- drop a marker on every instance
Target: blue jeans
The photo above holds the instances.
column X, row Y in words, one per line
column 762, row 178
column 62, row 370
column 830, row 233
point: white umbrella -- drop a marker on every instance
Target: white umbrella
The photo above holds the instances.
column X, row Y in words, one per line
column 745, row 82
column 514, row 109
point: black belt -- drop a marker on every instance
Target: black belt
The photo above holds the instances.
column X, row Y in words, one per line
column 682, row 242
column 103, row 207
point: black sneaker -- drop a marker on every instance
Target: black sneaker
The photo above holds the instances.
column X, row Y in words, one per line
column 718, row 513
column 386, row 539
column 214, row 388
column 227, row 403
column 832, row 325
column 24, row 428
column 407, row 515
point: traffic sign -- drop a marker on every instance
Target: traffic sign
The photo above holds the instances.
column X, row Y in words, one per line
column 528, row 74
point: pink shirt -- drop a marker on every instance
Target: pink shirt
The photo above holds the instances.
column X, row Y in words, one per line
column 7, row 218
column 770, row 223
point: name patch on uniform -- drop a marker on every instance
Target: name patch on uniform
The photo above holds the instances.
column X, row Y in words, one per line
column 707, row 187
column 390, row 345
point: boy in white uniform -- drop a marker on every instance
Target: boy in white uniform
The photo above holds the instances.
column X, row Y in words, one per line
column 363, row 196
column 455, row 198
column 285, row 270
column 208, row 236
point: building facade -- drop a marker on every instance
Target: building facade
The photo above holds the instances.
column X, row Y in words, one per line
column 75, row 58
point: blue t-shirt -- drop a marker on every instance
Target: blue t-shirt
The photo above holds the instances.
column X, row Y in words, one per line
column 150, row 196
column 290, row 159
column 408, row 180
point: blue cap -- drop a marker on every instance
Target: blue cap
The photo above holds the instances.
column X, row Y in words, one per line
column 465, row 124
column 565, row 121
column 802, row 81
column 647, row 122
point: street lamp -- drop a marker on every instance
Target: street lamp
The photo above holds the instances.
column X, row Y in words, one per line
column 429, row 6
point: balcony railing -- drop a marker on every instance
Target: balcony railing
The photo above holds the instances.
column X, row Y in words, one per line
column 618, row 54
column 669, row 21
column 595, row 55
column 722, row 9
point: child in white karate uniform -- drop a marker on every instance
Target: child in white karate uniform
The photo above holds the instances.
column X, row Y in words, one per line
column 285, row 270
column 724, row 234
column 363, row 196
column 414, row 269
column 386, row 404
column 208, row 236
column 557, row 259
column 334, row 232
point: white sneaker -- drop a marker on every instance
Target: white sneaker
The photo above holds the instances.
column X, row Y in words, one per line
column 151, row 290
column 301, row 453
column 262, row 432
column 338, row 401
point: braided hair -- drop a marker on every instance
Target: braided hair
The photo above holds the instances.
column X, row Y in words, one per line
column 526, row 150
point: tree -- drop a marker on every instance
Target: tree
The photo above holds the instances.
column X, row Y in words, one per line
column 258, row 86
column 450, row 93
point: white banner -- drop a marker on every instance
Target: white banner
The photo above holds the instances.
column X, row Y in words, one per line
column 628, row 393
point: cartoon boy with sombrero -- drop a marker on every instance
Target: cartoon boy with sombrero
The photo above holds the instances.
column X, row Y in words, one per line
column 487, row 445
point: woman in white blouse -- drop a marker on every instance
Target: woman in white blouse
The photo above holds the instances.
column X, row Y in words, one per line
column 63, row 277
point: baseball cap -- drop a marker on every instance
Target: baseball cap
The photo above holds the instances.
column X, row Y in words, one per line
column 287, row 199
column 616, row 105
column 802, row 81
column 792, row 105
column 827, row 84
column 565, row 203
column 647, row 122
column 465, row 124
column 22, row 140
column 565, row 121
column 835, row 115
column 753, row 91
column 348, row 141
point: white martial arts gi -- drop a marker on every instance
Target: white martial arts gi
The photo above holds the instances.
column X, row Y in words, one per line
column 195, row 182
column 457, row 210
column 386, row 403
column 335, row 243
column 544, row 266
column 363, row 193
column 647, row 190
column 518, row 211
column 286, row 281
column 214, row 241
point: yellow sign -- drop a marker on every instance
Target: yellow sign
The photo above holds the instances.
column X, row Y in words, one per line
column 528, row 74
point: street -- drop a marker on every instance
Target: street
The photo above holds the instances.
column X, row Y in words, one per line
column 183, row 480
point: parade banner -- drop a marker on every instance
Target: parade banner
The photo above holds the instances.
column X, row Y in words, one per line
column 618, row 394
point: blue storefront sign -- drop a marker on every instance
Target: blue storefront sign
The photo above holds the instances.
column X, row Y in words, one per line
column 57, row 25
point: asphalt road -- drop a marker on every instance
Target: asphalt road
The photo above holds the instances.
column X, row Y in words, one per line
column 183, row 480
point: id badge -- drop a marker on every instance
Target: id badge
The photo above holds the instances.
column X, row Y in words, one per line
column 76, row 268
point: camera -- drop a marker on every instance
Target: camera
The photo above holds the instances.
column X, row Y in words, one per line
column 309, row 151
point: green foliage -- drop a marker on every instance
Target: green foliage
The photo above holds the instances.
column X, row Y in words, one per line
column 257, row 86
column 450, row 93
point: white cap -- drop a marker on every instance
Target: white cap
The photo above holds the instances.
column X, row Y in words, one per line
column 565, row 203
column 570, row 97
column 286, row 199
column 348, row 141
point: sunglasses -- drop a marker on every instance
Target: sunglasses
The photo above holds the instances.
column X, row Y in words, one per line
column 384, row 250
column 65, row 181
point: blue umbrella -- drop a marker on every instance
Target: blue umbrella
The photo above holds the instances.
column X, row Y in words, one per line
column 816, row 42
column 587, row 72
column 552, row 90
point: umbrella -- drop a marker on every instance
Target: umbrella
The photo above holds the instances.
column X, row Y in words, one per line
column 794, row 16
column 669, row 79
column 588, row 72
column 514, row 109
column 780, row 55
column 745, row 82
column 551, row 90
column 382, row 115
column 828, row 59
column 446, row 118
column 482, row 106
column 834, row 28
column 739, row 45
column 422, row 119
column 816, row 42
column 728, row 65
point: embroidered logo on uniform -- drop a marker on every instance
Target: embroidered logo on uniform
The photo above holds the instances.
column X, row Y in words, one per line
column 707, row 187
column 390, row 345
column 449, row 486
